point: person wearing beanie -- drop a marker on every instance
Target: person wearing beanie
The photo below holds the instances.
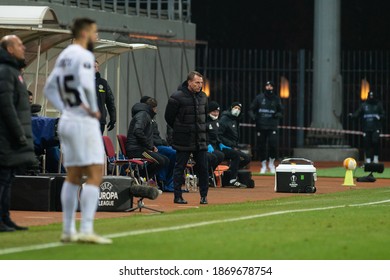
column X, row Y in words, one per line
column 229, row 136
column 165, row 174
column 266, row 110
column 215, row 156
column 371, row 114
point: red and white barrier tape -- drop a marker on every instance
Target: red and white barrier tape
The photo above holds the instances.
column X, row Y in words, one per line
column 325, row 130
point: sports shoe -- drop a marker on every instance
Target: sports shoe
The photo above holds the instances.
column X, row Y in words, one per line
column 271, row 165
column 5, row 228
column 263, row 169
column 179, row 200
column 67, row 238
column 237, row 184
column 93, row 238
column 11, row 224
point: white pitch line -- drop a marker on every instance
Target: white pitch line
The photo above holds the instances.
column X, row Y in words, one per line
column 187, row 226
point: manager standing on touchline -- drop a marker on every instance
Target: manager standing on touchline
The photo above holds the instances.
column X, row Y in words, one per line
column 186, row 113
column 16, row 144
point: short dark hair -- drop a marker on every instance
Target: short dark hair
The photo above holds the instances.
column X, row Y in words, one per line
column 151, row 102
column 80, row 24
column 192, row 74
column 30, row 93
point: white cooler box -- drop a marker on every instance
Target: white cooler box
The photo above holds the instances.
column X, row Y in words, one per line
column 295, row 175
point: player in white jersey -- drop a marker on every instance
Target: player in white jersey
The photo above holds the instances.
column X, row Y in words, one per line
column 71, row 90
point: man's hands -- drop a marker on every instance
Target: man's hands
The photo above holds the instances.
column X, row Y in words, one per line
column 95, row 115
column 222, row 146
column 111, row 125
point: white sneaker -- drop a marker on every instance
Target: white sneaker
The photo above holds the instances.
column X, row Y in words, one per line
column 376, row 159
column 93, row 238
column 271, row 165
column 238, row 184
column 263, row 169
column 67, row 238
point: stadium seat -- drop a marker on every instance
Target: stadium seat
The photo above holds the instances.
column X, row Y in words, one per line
column 135, row 162
column 111, row 155
column 218, row 173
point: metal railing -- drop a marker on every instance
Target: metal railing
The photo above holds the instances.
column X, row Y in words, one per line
column 240, row 74
column 161, row 9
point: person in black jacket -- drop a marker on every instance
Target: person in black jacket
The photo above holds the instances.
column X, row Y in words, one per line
column 372, row 115
column 139, row 142
column 215, row 156
column 186, row 113
column 16, row 144
column 165, row 174
column 105, row 99
column 229, row 135
column 266, row 110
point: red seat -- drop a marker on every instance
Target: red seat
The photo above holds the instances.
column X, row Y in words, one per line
column 139, row 161
column 110, row 153
column 122, row 143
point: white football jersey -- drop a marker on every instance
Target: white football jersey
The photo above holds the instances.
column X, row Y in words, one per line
column 72, row 82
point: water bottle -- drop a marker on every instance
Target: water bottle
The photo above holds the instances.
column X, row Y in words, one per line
column 195, row 184
column 187, row 181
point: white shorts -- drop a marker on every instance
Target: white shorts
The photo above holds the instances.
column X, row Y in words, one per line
column 81, row 141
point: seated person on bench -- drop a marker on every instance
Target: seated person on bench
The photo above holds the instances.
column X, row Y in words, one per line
column 165, row 174
column 229, row 135
column 139, row 142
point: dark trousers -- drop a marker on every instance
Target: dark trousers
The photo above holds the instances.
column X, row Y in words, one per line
column 157, row 161
column 215, row 158
column 102, row 127
column 237, row 159
column 267, row 141
column 6, row 177
column 201, row 168
column 371, row 143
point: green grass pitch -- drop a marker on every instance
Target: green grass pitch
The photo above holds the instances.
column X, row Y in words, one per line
column 354, row 224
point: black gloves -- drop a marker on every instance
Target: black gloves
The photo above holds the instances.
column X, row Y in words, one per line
column 111, row 125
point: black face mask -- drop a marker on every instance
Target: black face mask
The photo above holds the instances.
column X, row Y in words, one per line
column 90, row 46
column 269, row 93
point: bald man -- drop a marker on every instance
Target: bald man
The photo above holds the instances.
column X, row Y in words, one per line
column 16, row 144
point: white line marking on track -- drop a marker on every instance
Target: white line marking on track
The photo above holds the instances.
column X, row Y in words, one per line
column 38, row 217
column 187, row 226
